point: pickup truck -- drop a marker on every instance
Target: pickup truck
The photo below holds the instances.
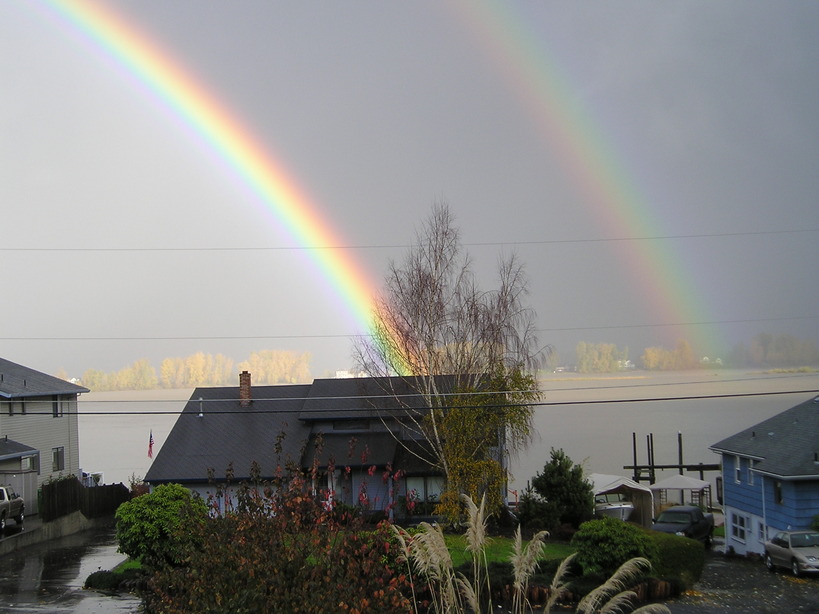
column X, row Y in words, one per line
column 687, row 521
column 11, row 506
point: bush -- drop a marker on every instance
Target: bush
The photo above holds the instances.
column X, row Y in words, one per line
column 154, row 528
column 679, row 559
column 283, row 550
column 103, row 580
column 122, row 578
column 605, row 544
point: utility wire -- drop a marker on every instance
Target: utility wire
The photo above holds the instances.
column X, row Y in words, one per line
column 535, row 404
column 405, row 246
column 369, row 335
column 618, row 386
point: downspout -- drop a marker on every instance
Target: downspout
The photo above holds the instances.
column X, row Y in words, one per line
column 764, row 511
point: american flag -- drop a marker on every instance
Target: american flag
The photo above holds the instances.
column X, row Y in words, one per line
column 151, row 445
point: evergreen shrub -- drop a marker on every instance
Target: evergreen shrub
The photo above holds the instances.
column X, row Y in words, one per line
column 679, row 559
column 606, row 543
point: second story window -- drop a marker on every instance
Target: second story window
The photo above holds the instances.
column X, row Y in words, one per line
column 778, row 497
column 738, row 470
column 57, row 407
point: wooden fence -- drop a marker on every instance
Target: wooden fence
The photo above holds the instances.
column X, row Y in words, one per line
column 63, row 497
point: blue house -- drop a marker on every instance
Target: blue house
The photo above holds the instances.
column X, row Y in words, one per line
column 770, row 476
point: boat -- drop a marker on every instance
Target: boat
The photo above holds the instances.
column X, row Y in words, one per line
column 613, row 505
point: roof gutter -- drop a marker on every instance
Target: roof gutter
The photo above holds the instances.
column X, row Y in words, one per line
column 735, row 453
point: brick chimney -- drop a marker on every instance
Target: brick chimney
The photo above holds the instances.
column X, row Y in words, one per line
column 244, row 389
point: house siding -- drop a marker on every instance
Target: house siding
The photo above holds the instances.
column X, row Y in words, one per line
column 799, row 504
column 38, row 428
column 742, row 494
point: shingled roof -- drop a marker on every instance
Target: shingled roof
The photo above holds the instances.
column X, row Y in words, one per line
column 363, row 397
column 19, row 382
column 784, row 446
column 215, row 430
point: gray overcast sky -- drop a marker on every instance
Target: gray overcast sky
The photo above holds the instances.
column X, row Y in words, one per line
column 707, row 111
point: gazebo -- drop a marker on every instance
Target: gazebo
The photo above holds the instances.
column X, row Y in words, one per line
column 699, row 490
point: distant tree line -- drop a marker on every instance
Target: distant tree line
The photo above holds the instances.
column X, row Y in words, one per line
column 682, row 357
column 775, row 351
column 200, row 369
column 600, row 357
column 764, row 351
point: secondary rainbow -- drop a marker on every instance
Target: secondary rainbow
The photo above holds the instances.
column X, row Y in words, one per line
column 267, row 177
column 596, row 169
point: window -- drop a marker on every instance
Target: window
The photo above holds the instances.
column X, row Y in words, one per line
column 427, row 488
column 761, row 531
column 737, row 470
column 56, row 407
column 57, row 459
column 739, row 525
column 778, row 497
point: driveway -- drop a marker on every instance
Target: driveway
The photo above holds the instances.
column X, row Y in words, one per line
column 744, row 586
column 48, row 576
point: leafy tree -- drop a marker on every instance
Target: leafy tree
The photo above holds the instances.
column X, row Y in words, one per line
column 155, row 527
column 661, row 359
column 599, row 357
column 434, row 320
column 560, row 494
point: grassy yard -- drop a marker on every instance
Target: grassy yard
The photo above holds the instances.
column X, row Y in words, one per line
column 498, row 549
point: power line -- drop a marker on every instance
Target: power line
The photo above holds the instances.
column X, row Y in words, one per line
column 533, row 404
column 617, row 386
column 362, row 335
column 405, row 246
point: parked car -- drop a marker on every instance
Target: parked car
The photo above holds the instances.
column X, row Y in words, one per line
column 687, row 521
column 11, row 506
column 794, row 550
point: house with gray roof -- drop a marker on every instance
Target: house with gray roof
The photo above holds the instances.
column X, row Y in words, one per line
column 770, row 475
column 353, row 431
column 39, row 429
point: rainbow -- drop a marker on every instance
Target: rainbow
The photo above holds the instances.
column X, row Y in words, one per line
column 599, row 176
column 267, row 177
column 597, row 171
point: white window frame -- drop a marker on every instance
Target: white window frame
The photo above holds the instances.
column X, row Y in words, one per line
column 739, row 527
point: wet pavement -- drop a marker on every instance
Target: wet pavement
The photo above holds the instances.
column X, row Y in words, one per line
column 744, row 586
column 48, row 577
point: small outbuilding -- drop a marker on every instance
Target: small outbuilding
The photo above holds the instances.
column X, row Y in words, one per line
column 612, row 493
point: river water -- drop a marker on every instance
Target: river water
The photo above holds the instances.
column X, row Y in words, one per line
column 591, row 418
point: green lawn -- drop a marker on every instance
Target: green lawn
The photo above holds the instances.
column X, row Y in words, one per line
column 498, row 549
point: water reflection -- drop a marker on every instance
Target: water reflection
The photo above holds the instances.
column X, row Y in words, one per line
column 48, row 577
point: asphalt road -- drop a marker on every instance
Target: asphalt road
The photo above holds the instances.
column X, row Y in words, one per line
column 48, row 577
column 744, row 586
